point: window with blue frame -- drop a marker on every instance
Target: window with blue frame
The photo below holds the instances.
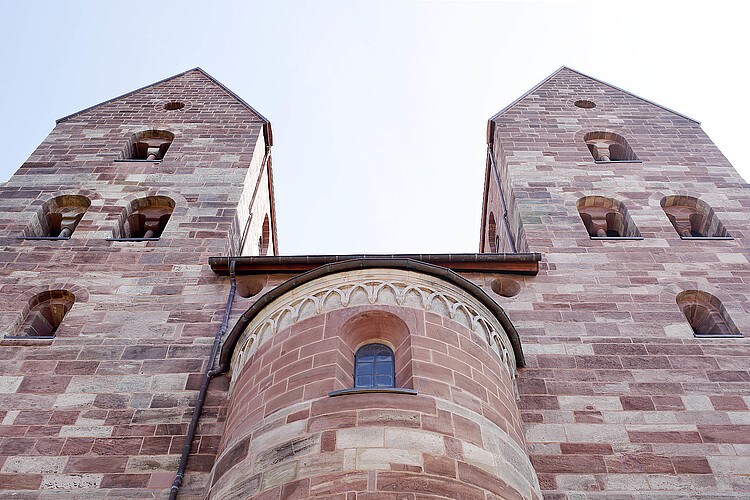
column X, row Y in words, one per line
column 374, row 367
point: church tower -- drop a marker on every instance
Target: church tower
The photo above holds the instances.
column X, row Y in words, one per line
column 637, row 371
column 109, row 308
column 156, row 345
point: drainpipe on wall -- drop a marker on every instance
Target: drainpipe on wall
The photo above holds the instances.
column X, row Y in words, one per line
column 506, row 224
column 210, row 373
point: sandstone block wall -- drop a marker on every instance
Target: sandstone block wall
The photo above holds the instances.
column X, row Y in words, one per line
column 460, row 436
column 102, row 409
column 619, row 399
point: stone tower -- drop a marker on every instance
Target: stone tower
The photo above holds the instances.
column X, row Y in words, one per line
column 157, row 346
column 108, row 306
column 636, row 382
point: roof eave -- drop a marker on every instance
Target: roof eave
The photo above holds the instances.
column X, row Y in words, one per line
column 505, row 263
column 232, row 339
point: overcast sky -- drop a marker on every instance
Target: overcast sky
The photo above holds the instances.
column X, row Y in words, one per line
column 379, row 109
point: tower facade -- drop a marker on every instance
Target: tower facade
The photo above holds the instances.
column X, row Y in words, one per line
column 636, row 377
column 156, row 345
column 108, row 306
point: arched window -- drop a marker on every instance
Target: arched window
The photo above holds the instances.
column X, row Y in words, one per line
column 608, row 146
column 265, row 237
column 59, row 217
column 492, row 233
column 46, row 312
column 145, row 218
column 706, row 314
column 693, row 218
column 379, row 344
column 374, row 366
column 606, row 218
column 148, row 145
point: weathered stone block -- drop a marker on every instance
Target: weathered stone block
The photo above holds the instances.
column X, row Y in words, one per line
column 33, row 465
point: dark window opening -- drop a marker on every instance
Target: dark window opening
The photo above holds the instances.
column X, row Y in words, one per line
column 174, row 105
column 608, row 146
column 374, row 366
column 59, row 217
column 145, row 218
column 264, row 240
column 706, row 314
column 693, row 218
column 606, row 218
column 149, row 145
column 585, row 104
column 46, row 312
column 492, row 236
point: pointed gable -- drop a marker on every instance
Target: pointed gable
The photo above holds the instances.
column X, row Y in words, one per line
column 588, row 81
column 201, row 94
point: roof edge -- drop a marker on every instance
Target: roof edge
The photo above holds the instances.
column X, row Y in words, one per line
column 503, row 263
column 126, row 94
column 535, row 87
column 532, row 89
column 267, row 127
column 235, row 333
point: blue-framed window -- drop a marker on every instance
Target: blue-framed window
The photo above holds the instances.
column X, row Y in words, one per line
column 374, row 366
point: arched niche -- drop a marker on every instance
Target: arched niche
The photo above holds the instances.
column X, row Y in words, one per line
column 608, row 146
column 381, row 327
column 693, row 218
column 706, row 314
column 606, row 218
column 46, row 311
column 147, row 145
column 59, row 217
column 145, row 217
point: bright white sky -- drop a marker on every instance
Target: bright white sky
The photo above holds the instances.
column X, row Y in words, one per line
column 379, row 109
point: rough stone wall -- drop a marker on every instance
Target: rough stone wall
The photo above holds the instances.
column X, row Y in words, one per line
column 619, row 399
column 459, row 437
column 102, row 410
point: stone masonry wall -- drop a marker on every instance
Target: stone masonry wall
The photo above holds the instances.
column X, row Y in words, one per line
column 459, row 437
column 618, row 397
column 102, row 410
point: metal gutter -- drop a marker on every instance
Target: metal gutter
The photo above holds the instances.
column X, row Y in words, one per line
column 509, row 263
